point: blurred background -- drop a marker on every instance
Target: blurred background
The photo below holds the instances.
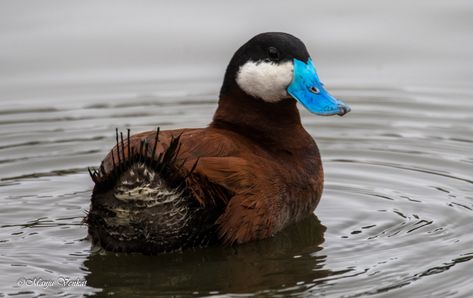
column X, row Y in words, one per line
column 62, row 45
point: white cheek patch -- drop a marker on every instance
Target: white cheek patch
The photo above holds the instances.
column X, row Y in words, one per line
column 265, row 80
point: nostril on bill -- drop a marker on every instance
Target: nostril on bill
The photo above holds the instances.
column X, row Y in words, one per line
column 314, row 90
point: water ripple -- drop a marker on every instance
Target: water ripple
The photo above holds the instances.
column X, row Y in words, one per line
column 395, row 213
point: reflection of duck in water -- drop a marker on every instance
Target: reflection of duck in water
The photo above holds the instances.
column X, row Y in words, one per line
column 248, row 175
column 256, row 266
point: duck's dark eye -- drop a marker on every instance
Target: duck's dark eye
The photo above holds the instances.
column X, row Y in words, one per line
column 273, row 54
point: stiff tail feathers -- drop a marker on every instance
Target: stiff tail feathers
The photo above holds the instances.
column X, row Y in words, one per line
column 164, row 163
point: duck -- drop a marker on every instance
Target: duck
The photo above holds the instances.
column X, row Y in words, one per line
column 253, row 171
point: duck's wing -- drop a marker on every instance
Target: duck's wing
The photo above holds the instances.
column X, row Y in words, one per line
column 255, row 209
column 227, row 161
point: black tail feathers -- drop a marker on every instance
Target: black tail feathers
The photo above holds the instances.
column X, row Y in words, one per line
column 145, row 202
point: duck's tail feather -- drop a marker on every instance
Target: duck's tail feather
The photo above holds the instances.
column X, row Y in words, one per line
column 146, row 203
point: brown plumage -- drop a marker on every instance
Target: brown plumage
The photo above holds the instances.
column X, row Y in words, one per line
column 250, row 173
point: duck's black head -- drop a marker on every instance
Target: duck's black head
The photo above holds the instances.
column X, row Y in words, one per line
column 275, row 66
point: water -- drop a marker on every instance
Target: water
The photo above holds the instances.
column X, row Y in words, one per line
column 395, row 219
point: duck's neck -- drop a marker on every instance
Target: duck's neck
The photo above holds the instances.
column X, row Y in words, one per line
column 271, row 123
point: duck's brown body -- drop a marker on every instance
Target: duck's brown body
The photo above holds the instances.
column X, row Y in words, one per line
column 252, row 172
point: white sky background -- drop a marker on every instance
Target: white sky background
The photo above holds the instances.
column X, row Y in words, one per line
column 352, row 42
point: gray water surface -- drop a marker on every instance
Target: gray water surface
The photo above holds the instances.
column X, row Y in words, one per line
column 396, row 216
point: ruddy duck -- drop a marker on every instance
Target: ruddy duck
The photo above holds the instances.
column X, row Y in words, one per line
column 250, row 173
